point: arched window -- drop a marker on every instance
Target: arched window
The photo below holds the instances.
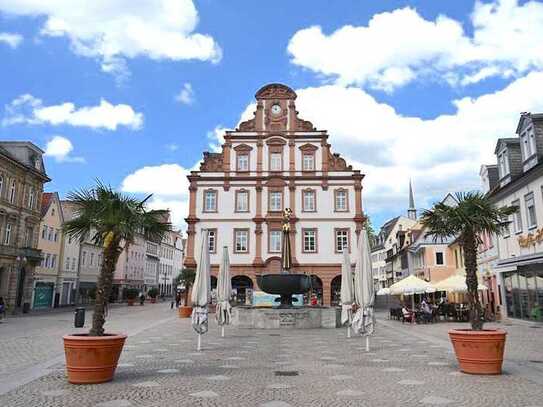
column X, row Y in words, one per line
column 12, row 191
column 7, row 236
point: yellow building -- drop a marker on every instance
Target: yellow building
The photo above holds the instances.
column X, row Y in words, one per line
column 47, row 276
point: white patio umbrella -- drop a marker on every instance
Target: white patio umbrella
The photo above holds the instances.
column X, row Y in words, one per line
column 224, row 292
column 363, row 289
column 346, row 291
column 201, row 291
column 411, row 285
column 383, row 291
column 456, row 284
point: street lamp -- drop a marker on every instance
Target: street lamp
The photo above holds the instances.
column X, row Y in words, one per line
column 20, row 261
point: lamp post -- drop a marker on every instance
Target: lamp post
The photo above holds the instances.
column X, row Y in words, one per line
column 21, row 274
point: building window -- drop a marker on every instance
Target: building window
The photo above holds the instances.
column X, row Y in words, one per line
column 212, row 240
column 308, row 201
column 517, row 217
column 73, row 263
column 83, row 258
column 241, row 240
column 242, row 201
column 440, row 261
column 503, row 163
column 276, row 162
column 56, row 235
column 12, row 192
column 310, row 240
column 53, row 260
column 31, row 198
column 342, row 240
column 67, row 265
column 50, row 235
column 44, row 232
column 308, row 162
column 7, row 236
column 210, row 201
column 242, row 162
column 276, row 201
column 1, row 184
column 92, row 259
column 341, row 203
column 530, row 210
column 28, row 236
column 47, row 260
column 275, row 241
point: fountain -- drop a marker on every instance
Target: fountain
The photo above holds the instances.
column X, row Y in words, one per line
column 285, row 283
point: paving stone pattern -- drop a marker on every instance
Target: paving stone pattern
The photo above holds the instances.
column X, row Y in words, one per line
column 321, row 367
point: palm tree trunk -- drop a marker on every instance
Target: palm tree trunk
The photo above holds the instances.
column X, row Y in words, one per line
column 103, row 287
column 470, row 260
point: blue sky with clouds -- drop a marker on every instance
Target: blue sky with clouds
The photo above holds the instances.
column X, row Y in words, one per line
column 133, row 93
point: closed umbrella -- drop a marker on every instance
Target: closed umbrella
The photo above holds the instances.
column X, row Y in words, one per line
column 346, row 291
column 201, row 291
column 224, row 291
column 363, row 289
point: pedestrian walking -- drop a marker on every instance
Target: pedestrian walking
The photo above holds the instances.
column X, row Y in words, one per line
column 177, row 299
column 2, row 309
column 142, row 298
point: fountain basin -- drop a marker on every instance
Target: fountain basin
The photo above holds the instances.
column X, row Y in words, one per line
column 284, row 285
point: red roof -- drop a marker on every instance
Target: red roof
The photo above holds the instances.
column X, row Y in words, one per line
column 46, row 200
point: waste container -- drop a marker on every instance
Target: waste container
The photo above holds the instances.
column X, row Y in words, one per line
column 79, row 319
column 26, row 308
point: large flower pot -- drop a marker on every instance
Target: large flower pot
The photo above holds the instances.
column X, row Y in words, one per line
column 479, row 352
column 92, row 359
column 185, row 312
column 130, row 302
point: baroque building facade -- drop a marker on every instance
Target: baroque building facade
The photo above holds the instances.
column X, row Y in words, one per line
column 22, row 175
column 271, row 162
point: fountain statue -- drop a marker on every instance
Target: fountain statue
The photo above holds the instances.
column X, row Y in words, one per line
column 285, row 283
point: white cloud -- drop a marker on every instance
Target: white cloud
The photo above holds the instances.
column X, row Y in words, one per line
column 26, row 109
column 10, row 39
column 185, row 95
column 59, row 148
column 172, row 147
column 113, row 30
column 169, row 185
column 400, row 46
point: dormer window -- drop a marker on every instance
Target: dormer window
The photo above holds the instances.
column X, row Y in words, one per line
column 503, row 163
column 527, row 140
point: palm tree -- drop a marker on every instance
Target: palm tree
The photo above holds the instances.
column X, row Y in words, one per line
column 111, row 220
column 472, row 216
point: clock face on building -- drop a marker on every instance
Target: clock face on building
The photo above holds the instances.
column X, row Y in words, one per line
column 276, row 109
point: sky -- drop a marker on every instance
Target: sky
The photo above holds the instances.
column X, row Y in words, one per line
column 132, row 92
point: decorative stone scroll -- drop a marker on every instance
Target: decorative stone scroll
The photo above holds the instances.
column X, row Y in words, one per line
column 213, row 162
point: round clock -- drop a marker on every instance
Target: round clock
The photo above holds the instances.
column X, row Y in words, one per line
column 276, row 109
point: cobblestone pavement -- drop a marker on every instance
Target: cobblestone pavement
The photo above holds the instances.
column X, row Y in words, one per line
column 407, row 366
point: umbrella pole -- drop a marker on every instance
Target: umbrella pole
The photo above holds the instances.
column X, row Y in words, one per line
column 348, row 331
column 222, row 331
column 413, row 308
column 199, row 347
column 367, row 343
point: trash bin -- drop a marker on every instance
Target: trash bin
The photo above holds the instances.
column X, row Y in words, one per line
column 26, row 308
column 79, row 319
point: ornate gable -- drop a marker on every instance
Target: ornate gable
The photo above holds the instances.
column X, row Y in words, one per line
column 275, row 91
column 213, row 162
column 337, row 163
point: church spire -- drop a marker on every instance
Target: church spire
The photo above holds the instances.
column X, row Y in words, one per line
column 411, row 211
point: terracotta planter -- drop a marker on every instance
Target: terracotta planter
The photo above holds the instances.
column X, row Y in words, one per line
column 479, row 352
column 92, row 359
column 153, row 300
column 185, row 312
column 130, row 301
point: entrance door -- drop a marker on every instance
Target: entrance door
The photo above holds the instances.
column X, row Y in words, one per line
column 43, row 295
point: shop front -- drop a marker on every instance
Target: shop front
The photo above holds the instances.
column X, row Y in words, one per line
column 523, row 292
column 43, row 295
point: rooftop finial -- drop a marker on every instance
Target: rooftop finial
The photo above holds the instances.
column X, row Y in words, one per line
column 411, row 211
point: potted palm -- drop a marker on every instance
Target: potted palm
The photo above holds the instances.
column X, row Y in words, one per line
column 478, row 350
column 186, row 279
column 152, row 294
column 111, row 220
column 131, row 295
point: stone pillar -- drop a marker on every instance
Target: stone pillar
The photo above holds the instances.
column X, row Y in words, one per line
column 226, row 151
column 358, row 216
column 259, row 155
column 291, row 156
column 326, row 291
column 257, row 261
column 190, row 261
column 259, row 116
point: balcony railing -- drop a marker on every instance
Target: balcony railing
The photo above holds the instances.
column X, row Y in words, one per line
column 29, row 254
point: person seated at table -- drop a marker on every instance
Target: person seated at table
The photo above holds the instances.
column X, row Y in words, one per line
column 408, row 314
column 426, row 311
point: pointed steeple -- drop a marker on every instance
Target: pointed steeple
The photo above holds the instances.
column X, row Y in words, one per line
column 411, row 211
